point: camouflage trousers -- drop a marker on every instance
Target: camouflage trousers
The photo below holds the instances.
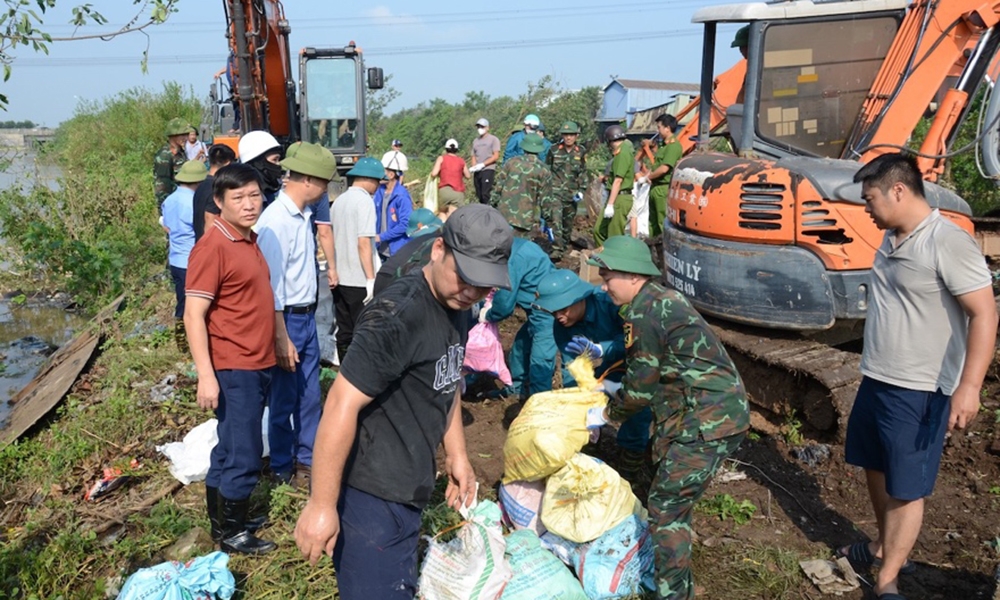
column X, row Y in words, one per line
column 681, row 479
column 563, row 215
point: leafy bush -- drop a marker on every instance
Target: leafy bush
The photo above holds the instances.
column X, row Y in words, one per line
column 98, row 233
column 725, row 507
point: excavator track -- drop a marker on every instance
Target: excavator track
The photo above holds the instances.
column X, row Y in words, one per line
column 784, row 372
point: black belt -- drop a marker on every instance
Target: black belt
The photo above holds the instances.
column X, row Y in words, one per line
column 300, row 310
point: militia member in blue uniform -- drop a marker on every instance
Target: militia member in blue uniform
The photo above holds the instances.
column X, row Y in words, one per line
column 678, row 367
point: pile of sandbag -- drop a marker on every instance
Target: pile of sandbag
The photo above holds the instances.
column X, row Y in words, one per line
column 581, row 509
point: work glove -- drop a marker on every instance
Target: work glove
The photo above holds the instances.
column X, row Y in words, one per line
column 369, row 290
column 582, row 345
column 609, row 211
column 596, row 418
column 477, row 167
column 577, row 196
column 609, row 387
column 484, row 310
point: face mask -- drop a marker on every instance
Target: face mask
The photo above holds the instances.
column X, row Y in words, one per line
column 270, row 173
column 481, row 130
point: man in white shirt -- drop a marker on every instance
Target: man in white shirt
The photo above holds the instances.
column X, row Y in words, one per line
column 394, row 159
column 930, row 335
column 285, row 237
column 353, row 217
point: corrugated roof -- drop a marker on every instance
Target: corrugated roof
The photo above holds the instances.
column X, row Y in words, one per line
column 672, row 86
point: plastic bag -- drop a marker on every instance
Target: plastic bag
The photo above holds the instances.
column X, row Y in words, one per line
column 640, row 209
column 585, row 499
column 203, row 578
column 484, row 353
column 521, row 503
column 471, row 566
column 537, row 572
column 619, row 563
column 190, row 458
column 431, row 194
column 551, row 428
column 564, row 550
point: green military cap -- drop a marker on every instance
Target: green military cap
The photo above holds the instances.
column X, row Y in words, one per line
column 742, row 37
column 425, row 217
column 178, row 126
column 569, row 127
column 532, row 143
column 367, row 167
column 560, row 289
column 193, row 171
column 626, row 254
column 310, row 159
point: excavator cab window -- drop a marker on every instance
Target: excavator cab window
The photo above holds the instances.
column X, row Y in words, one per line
column 332, row 102
column 814, row 78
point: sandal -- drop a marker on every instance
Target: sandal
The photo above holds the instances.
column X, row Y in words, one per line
column 861, row 555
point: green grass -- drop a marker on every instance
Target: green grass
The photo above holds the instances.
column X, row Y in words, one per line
column 726, row 507
column 748, row 571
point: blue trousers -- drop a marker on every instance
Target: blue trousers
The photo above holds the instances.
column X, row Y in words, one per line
column 532, row 359
column 295, row 399
column 634, row 432
column 179, row 276
column 236, row 459
column 376, row 553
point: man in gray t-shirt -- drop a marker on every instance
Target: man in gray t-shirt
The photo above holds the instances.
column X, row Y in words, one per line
column 353, row 217
column 485, row 154
column 930, row 335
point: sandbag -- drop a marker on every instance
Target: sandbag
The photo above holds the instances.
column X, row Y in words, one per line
column 471, row 566
column 585, row 499
column 619, row 563
column 521, row 503
column 484, row 353
column 640, row 209
column 564, row 550
column 537, row 572
column 431, row 194
column 551, row 428
column 203, row 578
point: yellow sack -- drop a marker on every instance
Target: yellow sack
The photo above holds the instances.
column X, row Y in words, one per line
column 431, row 194
column 551, row 427
column 587, row 498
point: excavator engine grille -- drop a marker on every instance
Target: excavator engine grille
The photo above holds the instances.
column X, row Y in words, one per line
column 761, row 206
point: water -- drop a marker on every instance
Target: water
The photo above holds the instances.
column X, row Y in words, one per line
column 29, row 332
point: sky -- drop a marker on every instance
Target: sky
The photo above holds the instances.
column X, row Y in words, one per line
column 439, row 49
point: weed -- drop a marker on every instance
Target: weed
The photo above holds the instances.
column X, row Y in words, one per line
column 996, row 417
column 725, row 507
column 19, row 300
column 791, row 430
column 751, row 571
column 995, row 490
column 753, row 436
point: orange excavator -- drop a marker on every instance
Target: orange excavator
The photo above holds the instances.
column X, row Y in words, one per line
column 773, row 238
column 328, row 105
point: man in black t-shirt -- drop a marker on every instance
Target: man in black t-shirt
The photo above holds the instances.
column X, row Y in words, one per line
column 219, row 155
column 395, row 400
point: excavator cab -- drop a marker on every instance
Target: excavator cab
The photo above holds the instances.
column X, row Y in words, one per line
column 775, row 233
column 332, row 100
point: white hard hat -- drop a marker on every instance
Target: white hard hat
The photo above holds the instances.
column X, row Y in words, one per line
column 532, row 120
column 256, row 143
column 451, row 144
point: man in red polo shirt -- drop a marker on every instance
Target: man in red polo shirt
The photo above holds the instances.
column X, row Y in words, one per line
column 229, row 316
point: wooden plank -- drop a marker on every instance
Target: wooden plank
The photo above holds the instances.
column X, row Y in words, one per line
column 49, row 387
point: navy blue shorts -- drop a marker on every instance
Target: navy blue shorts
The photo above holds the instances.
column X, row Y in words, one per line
column 898, row 432
column 376, row 552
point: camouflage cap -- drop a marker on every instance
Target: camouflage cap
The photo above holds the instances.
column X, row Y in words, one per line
column 193, row 171
column 626, row 254
column 569, row 127
column 560, row 289
column 310, row 159
column 532, row 142
column 178, row 126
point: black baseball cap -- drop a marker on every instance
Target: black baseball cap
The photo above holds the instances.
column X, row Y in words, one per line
column 481, row 240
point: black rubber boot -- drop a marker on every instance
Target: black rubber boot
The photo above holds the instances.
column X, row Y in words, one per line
column 235, row 536
column 212, row 502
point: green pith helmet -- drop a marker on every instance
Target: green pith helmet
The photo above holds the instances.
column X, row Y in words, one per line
column 367, row 167
column 569, row 127
column 310, row 159
column 532, row 142
column 193, row 171
column 425, row 217
column 560, row 289
column 626, row 254
column 178, row 126
column 742, row 38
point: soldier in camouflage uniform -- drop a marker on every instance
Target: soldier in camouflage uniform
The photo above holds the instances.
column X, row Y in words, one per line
column 169, row 160
column 678, row 367
column 523, row 189
column 568, row 163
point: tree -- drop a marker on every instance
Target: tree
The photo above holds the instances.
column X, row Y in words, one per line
column 20, row 23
